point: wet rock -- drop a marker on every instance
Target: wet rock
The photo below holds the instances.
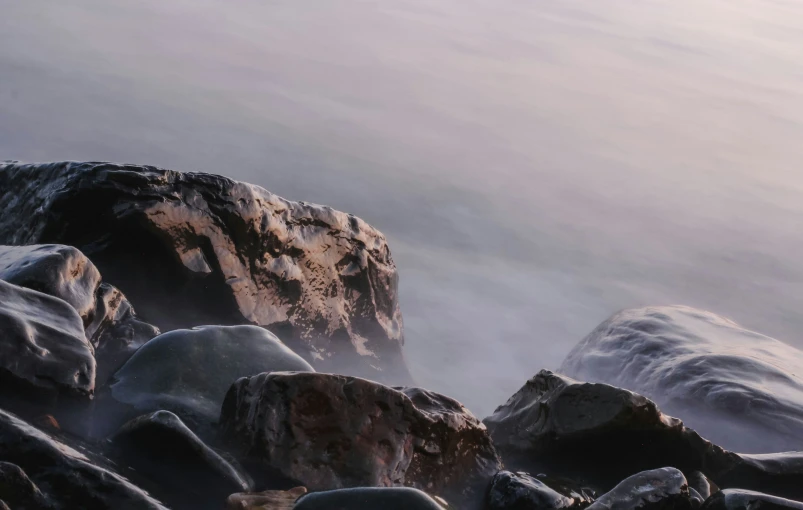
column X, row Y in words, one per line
column 161, row 447
column 740, row 389
column 189, row 371
column 193, row 248
column 110, row 323
column 701, row 484
column 19, row 490
column 266, row 500
column 599, row 434
column 69, row 478
column 520, row 491
column 658, row 489
column 330, row 431
column 368, row 498
column 735, row 499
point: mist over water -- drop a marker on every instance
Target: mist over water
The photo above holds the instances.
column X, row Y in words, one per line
column 536, row 165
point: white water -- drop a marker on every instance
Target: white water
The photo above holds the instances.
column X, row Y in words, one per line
column 537, row 165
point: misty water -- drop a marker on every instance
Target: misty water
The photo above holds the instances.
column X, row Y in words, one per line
column 536, row 165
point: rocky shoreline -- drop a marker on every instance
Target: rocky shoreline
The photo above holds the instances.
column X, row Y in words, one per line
column 186, row 341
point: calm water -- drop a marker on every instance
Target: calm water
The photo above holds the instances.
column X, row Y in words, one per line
column 537, row 165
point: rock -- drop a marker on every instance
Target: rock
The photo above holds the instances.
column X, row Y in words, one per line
column 19, row 490
column 70, row 478
column 600, row 434
column 702, row 485
column 658, row 489
column 267, row 500
column 189, row 371
column 191, row 474
column 735, row 499
column 520, row 491
column 331, row 432
column 368, row 498
column 740, row 389
column 110, row 323
column 193, row 248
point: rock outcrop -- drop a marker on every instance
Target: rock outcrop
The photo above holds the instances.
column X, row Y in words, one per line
column 734, row 499
column 330, row 432
column 364, row 498
column 193, row 249
column 658, row 489
column 520, row 491
column 738, row 388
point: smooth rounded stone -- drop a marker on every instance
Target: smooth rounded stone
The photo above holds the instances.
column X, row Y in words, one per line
column 188, row 473
column 266, row 500
column 189, row 371
column 69, row 478
column 736, row 499
column 657, row 489
column 598, row 434
column 19, row 491
column 368, row 498
column 740, row 389
column 330, row 431
column 192, row 248
column 702, row 484
column 520, row 491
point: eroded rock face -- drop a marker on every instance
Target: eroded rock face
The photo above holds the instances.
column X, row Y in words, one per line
column 195, row 249
column 738, row 388
column 330, row 432
column 363, row 498
column 735, row 499
column 189, row 371
column 520, row 491
column 600, row 434
column 658, row 489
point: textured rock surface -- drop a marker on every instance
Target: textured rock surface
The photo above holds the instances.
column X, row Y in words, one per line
column 365, row 498
column 734, row 499
column 161, row 447
column 195, row 249
column 520, row 491
column 266, row 500
column 740, row 389
column 66, row 476
column 600, row 434
column 109, row 320
column 329, row 431
column 19, row 490
column 658, row 489
column 189, row 371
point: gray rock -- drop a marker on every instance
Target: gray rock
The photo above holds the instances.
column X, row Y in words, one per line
column 735, row 499
column 368, row 498
column 520, row 491
column 740, row 389
column 658, row 489
column 19, row 490
column 330, row 432
column 702, row 484
column 192, row 248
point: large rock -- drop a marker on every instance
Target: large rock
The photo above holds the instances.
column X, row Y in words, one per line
column 330, row 432
column 189, row 474
column 520, row 491
column 735, row 499
column 658, row 489
column 738, row 388
column 110, row 322
column 193, row 249
column 19, row 490
column 68, row 478
column 368, row 498
column 600, row 434
column 189, row 371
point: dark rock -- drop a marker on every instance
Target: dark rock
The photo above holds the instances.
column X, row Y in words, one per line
column 193, row 248
column 701, row 484
column 189, row 372
column 162, row 448
column 368, row 498
column 68, row 478
column 600, row 434
column 520, row 491
column 266, row 500
column 658, row 489
column 735, row 499
column 109, row 320
column 330, row 431
column 740, row 389
column 19, row 490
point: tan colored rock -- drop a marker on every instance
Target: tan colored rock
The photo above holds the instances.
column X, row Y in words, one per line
column 266, row 500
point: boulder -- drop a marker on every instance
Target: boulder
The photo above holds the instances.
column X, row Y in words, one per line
column 193, row 248
column 331, row 432
column 69, row 478
column 189, row 371
column 110, row 323
column 599, row 434
column 701, row 484
column 735, row 499
column 520, row 491
column 658, row 489
column 740, row 389
column 368, row 498
column 266, row 500
column 19, row 490
column 189, row 474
